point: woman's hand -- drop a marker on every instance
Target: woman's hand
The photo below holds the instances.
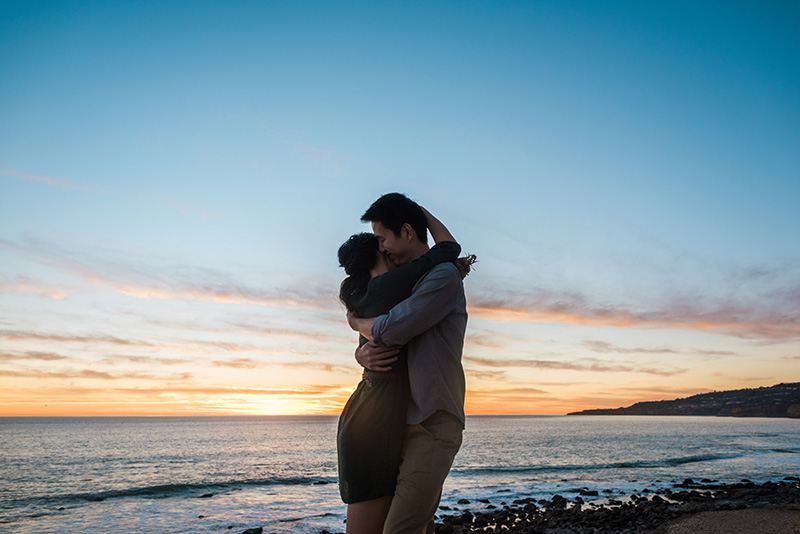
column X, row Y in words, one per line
column 362, row 326
column 439, row 231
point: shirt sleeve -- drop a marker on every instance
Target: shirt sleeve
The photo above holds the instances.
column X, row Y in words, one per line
column 433, row 298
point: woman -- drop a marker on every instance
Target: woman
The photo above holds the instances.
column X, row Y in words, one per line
column 372, row 424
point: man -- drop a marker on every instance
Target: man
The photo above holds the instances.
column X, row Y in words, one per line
column 431, row 323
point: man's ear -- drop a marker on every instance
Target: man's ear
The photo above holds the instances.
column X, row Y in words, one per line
column 407, row 233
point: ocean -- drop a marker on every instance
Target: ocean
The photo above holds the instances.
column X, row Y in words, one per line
column 227, row 474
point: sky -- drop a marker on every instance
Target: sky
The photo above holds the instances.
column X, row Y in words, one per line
column 176, row 178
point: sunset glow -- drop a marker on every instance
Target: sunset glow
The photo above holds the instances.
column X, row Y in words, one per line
column 175, row 183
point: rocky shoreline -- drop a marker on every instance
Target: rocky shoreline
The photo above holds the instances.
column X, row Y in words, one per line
column 643, row 512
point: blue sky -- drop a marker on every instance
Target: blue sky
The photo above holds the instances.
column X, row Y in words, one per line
column 175, row 179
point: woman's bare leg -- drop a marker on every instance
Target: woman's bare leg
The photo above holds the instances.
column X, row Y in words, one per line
column 367, row 517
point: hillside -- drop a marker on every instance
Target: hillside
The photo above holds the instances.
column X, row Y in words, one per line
column 782, row 400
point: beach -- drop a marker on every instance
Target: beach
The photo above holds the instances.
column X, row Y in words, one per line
column 690, row 507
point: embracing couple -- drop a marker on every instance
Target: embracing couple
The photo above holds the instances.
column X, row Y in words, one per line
column 401, row 429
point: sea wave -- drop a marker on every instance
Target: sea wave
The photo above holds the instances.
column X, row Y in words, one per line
column 637, row 464
column 199, row 490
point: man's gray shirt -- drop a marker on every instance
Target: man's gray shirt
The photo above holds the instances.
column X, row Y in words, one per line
column 432, row 323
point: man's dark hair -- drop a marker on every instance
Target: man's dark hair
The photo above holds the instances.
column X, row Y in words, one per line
column 395, row 209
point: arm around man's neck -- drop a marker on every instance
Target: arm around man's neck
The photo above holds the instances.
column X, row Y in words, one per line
column 360, row 325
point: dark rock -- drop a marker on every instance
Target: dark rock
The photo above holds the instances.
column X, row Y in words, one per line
column 463, row 501
column 206, row 495
column 558, row 502
column 589, row 493
column 321, row 482
column 97, row 499
column 257, row 530
column 200, row 516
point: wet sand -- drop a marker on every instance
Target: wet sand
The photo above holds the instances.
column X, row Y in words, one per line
column 770, row 520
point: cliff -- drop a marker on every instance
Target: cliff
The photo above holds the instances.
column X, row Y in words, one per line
column 782, row 400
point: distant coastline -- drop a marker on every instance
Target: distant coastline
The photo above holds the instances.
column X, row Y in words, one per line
column 781, row 400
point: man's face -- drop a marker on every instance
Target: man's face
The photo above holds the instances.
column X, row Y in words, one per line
column 397, row 249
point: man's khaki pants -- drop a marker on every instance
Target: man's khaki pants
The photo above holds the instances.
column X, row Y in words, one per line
column 428, row 453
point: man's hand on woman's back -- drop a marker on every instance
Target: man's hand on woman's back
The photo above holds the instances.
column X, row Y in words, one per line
column 375, row 357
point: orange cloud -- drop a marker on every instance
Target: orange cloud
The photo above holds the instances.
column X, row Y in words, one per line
column 147, row 360
column 238, row 363
column 87, row 373
column 24, row 286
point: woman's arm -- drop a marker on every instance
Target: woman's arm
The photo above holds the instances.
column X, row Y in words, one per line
column 439, row 231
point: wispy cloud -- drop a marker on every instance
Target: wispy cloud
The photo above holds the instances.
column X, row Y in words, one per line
column 46, row 180
column 310, row 390
column 25, row 335
column 486, row 374
column 249, row 363
column 25, row 286
column 98, row 341
column 238, row 363
column 320, row 366
column 155, row 283
column 88, row 374
column 325, row 157
column 603, row 347
column 585, row 364
column 31, row 355
column 481, row 340
column 60, row 183
column 772, row 319
column 608, row 348
column 330, row 159
column 146, row 360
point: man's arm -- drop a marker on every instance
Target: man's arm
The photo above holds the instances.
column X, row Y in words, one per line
column 431, row 301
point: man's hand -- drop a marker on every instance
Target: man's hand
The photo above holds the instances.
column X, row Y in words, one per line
column 376, row 358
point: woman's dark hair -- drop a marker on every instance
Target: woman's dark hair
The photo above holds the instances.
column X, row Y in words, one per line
column 395, row 209
column 357, row 256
